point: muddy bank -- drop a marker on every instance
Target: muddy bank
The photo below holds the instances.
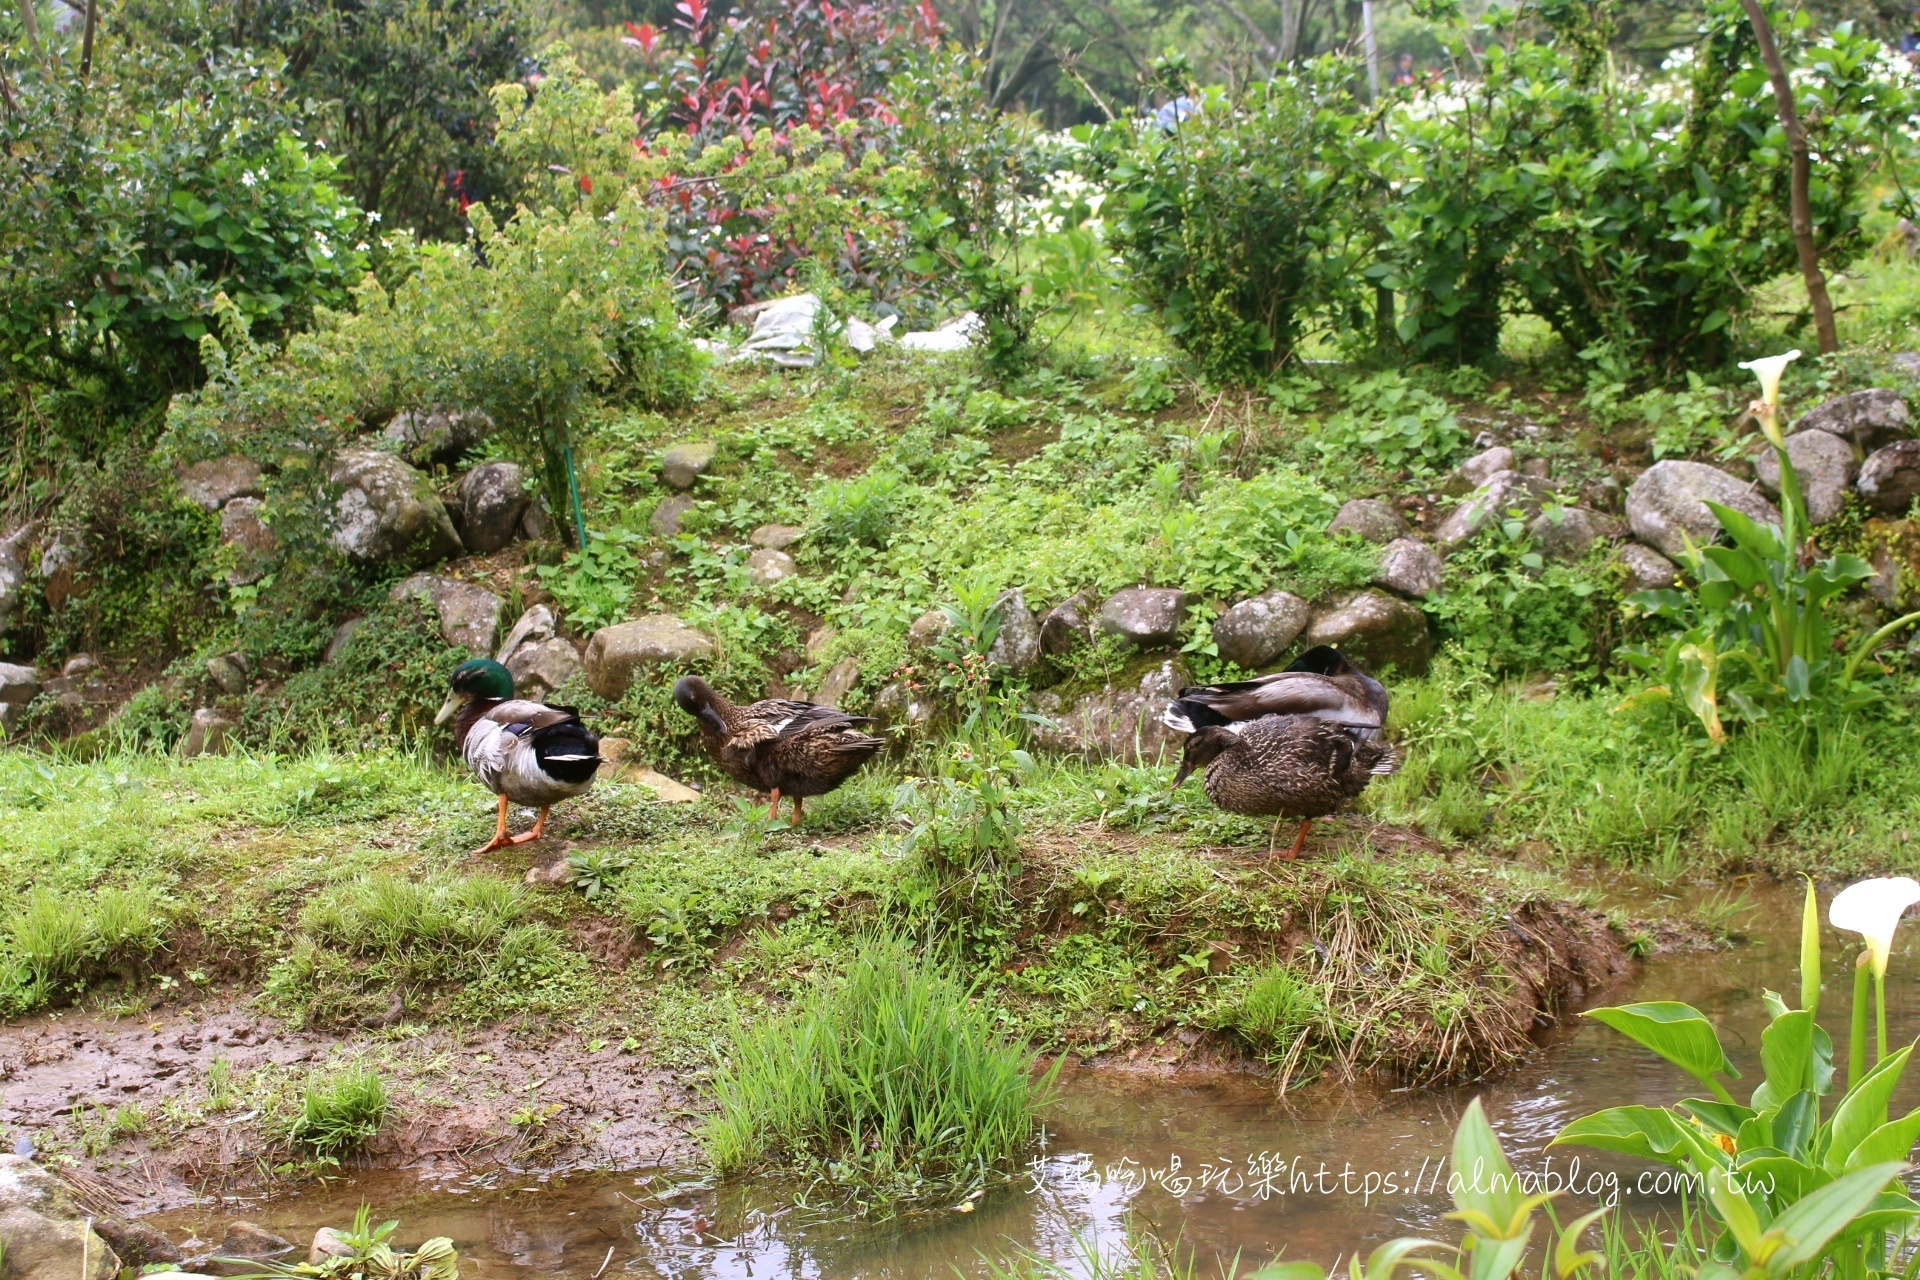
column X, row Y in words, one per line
column 460, row 1101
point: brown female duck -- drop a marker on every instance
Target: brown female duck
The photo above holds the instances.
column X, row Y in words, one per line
column 778, row 745
column 1301, row 743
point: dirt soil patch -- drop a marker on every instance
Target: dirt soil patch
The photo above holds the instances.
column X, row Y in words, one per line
column 502, row 1097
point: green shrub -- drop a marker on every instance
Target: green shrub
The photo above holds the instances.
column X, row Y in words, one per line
column 890, row 1084
column 860, row 511
column 382, row 687
column 1509, row 609
column 1237, row 222
column 1390, row 423
column 1633, row 218
column 339, row 1113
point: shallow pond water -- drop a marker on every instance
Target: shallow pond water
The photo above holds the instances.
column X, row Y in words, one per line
column 1219, row 1162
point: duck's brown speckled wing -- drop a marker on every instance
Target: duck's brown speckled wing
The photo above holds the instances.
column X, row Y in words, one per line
column 1298, row 766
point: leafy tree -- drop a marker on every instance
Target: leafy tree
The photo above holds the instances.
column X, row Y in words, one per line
column 397, row 88
column 129, row 203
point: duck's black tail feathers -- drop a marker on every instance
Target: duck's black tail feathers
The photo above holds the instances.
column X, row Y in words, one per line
column 1323, row 660
column 568, row 752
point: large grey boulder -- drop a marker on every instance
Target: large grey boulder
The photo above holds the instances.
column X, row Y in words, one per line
column 1826, row 467
column 1565, row 534
column 686, row 462
column 1502, row 492
column 493, row 498
column 1411, row 568
column 19, row 683
column 1376, row 630
column 1482, row 467
column 668, row 513
column 1666, row 504
column 342, row 637
column 1017, row 644
column 767, row 567
column 1647, row 569
column 838, row 682
column 1869, row 418
column 1890, row 479
column 531, row 627
column 617, row 652
column 1253, row 633
column 250, row 537
column 138, row 1244
column 388, row 513
column 926, row 630
column 1118, row 722
column 47, row 1236
column 1145, row 617
column 13, row 569
column 206, row 734
column 1067, row 625
column 469, row 615
column 543, row 666
column 1373, row 519
column 776, row 537
column 436, row 435
column 214, row 482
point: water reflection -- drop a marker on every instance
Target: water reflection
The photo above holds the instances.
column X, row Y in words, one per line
column 1217, row 1162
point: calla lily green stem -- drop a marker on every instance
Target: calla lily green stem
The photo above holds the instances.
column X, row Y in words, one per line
column 1810, row 952
column 1879, row 1015
column 1857, row 1038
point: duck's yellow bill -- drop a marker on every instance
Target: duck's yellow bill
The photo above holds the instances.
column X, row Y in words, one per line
column 448, row 708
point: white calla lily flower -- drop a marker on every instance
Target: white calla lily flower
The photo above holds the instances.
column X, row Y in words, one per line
column 1767, row 407
column 1769, row 370
column 1872, row 909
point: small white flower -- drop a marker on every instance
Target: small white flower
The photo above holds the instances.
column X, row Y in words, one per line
column 1768, row 369
column 247, row 179
column 373, row 215
column 1872, row 909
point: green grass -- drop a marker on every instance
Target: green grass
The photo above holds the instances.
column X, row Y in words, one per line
column 339, row 1113
column 890, row 1084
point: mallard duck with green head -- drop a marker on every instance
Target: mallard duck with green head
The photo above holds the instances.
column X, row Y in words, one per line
column 1301, row 743
column 779, row 745
column 523, row 751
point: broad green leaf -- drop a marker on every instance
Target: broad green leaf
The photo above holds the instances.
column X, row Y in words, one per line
column 1486, row 1180
column 1394, row 1254
column 1567, row 1257
column 1864, row 1109
column 1749, row 534
column 1891, row 1141
column 1677, row 1032
column 1498, row 1259
column 1796, row 1123
column 1648, row 1132
column 1809, row 1223
column 1783, row 1178
column 1742, row 1220
column 1786, row 1055
column 1721, row 1117
column 1289, row 1271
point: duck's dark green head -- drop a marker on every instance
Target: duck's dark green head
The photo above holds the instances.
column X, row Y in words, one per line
column 476, row 678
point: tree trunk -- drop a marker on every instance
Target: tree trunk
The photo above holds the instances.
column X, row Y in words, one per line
column 86, row 39
column 1291, row 11
column 30, row 21
column 1802, row 177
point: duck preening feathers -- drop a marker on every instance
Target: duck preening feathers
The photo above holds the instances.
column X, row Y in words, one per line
column 523, row 751
column 1301, row 743
column 778, row 745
